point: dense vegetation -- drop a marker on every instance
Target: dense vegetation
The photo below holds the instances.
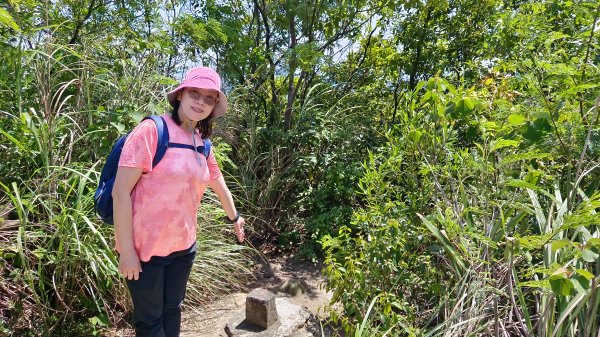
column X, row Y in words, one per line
column 441, row 157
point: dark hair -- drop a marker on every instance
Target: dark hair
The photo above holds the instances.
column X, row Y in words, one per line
column 204, row 126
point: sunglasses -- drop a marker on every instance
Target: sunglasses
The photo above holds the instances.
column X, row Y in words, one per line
column 208, row 99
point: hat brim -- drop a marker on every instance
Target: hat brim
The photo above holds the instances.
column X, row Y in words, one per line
column 219, row 109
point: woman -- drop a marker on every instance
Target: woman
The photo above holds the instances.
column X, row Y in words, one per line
column 155, row 209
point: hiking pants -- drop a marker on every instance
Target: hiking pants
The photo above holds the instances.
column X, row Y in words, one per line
column 158, row 294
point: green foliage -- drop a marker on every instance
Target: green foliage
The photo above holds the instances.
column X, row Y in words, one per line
column 59, row 258
column 7, row 20
column 441, row 155
column 448, row 174
column 63, row 106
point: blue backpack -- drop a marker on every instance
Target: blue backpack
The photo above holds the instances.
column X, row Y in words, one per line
column 103, row 201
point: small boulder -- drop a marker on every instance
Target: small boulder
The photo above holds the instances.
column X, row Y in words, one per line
column 294, row 287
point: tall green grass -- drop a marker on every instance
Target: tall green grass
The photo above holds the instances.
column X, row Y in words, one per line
column 59, row 267
column 59, row 256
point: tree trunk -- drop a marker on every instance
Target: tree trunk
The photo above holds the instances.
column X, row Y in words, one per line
column 415, row 65
column 291, row 76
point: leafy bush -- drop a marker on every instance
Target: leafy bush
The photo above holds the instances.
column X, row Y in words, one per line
column 442, row 210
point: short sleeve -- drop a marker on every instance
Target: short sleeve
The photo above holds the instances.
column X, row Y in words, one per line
column 140, row 147
column 213, row 166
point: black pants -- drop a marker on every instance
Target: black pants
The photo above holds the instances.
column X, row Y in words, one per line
column 158, row 293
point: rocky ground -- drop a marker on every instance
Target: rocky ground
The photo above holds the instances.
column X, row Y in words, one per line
column 301, row 282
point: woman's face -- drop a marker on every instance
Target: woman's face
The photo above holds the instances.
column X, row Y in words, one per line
column 197, row 104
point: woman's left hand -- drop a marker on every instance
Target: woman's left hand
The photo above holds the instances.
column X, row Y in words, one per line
column 239, row 229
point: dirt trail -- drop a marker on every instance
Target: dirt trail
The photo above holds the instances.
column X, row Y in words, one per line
column 302, row 282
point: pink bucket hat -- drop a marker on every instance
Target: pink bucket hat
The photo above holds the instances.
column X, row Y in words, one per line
column 203, row 78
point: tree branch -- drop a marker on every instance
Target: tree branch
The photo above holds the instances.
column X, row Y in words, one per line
column 90, row 11
column 585, row 61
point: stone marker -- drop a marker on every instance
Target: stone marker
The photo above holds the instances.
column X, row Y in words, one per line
column 261, row 308
column 291, row 317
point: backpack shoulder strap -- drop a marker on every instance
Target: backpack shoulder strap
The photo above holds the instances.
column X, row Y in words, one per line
column 207, row 147
column 163, row 138
column 204, row 149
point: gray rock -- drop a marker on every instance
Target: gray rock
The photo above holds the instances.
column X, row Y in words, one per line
column 261, row 308
column 291, row 317
column 294, row 287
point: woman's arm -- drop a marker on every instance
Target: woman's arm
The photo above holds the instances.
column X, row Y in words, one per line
column 220, row 188
column 129, row 261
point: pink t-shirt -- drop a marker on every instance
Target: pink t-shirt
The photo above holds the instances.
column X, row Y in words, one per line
column 166, row 198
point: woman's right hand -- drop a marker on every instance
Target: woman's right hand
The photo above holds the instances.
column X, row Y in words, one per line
column 238, row 225
column 129, row 265
column 129, row 260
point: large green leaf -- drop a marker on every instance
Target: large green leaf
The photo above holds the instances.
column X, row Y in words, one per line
column 589, row 255
column 593, row 242
column 581, row 283
column 7, row 20
column 561, row 285
column 516, row 119
column 558, row 244
column 501, row 143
